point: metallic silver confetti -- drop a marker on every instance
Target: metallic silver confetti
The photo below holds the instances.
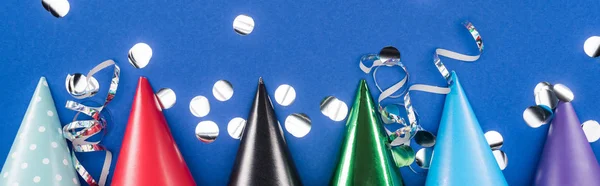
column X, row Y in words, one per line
column 334, row 108
column 80, row 87
column 563, row 93
column 591, row 47
column 139, row 55
column 167, row 97
column 424, row 138
column 58, row 8
column 536, row 116
column 222, row 90
column 199, row 106
column 591, row 128
column 540, row 86
column 243, row 24
column 235, row 127
column 546, row 96
column 285, row 95
column 298, row 124
column 501, row 158
column 423, row 157
column 207, row 131
column 494, row 139
column 389, row 53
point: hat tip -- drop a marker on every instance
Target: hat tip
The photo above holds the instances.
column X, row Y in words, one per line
column 260, row 80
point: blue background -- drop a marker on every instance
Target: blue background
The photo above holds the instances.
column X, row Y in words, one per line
column 313, row 46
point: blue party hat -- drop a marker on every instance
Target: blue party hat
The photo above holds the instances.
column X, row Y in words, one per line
column 39, row 154
column 461, row 155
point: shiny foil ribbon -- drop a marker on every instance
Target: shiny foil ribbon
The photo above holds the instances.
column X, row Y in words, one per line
column 78, row 131
column 403, row 135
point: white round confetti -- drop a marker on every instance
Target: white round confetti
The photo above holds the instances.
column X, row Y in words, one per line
column 58, row 177
column 54, row 144
column 58, row 8
column 334, row 108
column 50, row 113
column 24, row 165
column 140, row 55
column 32, row 147
column 65, row 162
column 243, row 24
column 298, row 124
column 207, row 131
column 222, row 90
column 591, row 128
column 38, row 99
column 45, row 83
column 42, row 129
column 235, row 127
column 591, row 47
column 36, row 179
column 45, row 161
column 285, row 94
column 199, row 106
column 167, row 97
column 501, row 158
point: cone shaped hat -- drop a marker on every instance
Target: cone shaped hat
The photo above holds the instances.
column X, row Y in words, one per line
column 365, row 158
column 263, row 157
column 567, row 158
column 149, row 155
column 461, row 154
column 39, row 155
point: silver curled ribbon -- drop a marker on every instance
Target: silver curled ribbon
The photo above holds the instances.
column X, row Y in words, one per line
column 78, row 131
column 401, row 88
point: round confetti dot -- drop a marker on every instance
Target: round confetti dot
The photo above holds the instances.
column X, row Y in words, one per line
column 285, row 95
column 24, row 165
column 243, row 24
column 45, row 161
column 45, row 83
column 75, row 180
column 334, row 108
column 591, row 46
column 15, row 184
column 139, row 55
column 54, row 144
column 5, row 174
column 42, row 129
column 32, row 147
column 199, row 106
column 235, row 127
column 38, row 99
column 207, row 131
column 298, row 124
column 58, row 177
column 167, row 97
column 36, row 179
column 13, row 155
column 22, row 136
column 50, row 113
column 222, row 90
column 65, row 162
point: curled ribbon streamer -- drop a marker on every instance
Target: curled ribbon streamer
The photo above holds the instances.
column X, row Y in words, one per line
column 458, row 56
column 78, row 131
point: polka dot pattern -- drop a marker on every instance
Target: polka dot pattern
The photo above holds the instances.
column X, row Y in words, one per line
column 40, row 155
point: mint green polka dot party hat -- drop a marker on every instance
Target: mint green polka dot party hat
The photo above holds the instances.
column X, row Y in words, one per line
column 39, row 154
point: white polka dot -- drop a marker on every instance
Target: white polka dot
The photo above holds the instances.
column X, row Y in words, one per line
column 58, row 177
column 75, row 180
column 65, row 162
column 5, row 174
column 50, row 113
column 15, row 184
column 54, row 144
column 38, row 99
column 45, row 161
column 22, row 136
column 32, row 147
column 36, row 179
column 42, row 129
column 13, row 155
column 45, row 83
column 24, row 165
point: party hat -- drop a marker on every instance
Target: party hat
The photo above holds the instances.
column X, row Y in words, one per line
column 567, row 158
column 263, row 157
column 149, row 155
column 461, row 155
column 39, row 154
column 365, row 158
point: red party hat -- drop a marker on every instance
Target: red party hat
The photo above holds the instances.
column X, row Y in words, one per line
column 149, row 155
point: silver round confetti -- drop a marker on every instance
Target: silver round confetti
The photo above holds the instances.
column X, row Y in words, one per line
column 139, row 55
column 501, row 158
column 423, row 157
column 207, row 131
column 494, row 139
column 540, row 86
column 592, row 46
column 546, row 97
column 334, row 108
column 167, row 97
column 285, row 94
column 591, row 128
column 243, row 24
column 77, row 85
column 235, row 127
column 222, row 90
column 199, row 106
column 563, row 93
column 536, row 116
column 388, row 53
column 298, row 124
column 58, row 8
column 424, row 138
